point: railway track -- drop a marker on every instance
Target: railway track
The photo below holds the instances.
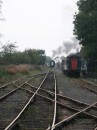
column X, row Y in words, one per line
column 32, row 102
column 75, row 115
column 89, row 85
column 85, row 122
column 43, row 111
column 13, row 100
column 72, row 107
column 63, row 100
column 39, row 106
column 7, row 88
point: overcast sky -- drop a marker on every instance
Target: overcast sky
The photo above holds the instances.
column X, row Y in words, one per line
column 38, row 24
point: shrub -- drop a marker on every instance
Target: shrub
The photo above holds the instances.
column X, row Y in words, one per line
column 2, row 72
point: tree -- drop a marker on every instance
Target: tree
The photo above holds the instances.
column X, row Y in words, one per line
column 42, row 57
column 48, row 59
column 7, row 51
column 37, row 56
column 9, row 55
column 85, row 27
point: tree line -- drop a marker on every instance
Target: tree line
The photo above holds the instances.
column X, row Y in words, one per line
column 85, row 27
column 9, row 55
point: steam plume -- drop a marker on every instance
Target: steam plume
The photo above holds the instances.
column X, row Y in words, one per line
column 67, row 47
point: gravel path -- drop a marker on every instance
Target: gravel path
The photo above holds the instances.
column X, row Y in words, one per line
column 68, row 88
column 11, row 106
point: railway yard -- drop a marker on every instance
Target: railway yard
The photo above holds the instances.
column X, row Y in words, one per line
column 48, row 101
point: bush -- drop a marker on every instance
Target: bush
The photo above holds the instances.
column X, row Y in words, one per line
column 3, row 72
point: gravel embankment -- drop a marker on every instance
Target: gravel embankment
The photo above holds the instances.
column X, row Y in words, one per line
column 68, row 88
column 11, row 106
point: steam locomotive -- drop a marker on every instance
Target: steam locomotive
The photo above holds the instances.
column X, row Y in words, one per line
column 73, row 65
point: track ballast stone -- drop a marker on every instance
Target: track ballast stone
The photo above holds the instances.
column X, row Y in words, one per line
column 68, row 88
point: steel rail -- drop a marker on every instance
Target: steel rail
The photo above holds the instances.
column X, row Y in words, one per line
column 66, row 97
column 14, row 90
column 73, row 116
column 95, row 128
column 6, row 85
column 11, row 92
column 88, row 82
column 11, row 82
column 32, row 76
column 76, row 101
column 55, row 103
column 20, row 79
column 47, row 91
column 27, row 104
column 70, row 118
column 90, row 89
column 61, row 104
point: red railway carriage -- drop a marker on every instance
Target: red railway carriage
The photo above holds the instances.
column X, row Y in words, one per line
column 71, row 65
column 74, row 63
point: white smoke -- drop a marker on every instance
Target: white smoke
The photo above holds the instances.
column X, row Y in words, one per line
column 67, row 47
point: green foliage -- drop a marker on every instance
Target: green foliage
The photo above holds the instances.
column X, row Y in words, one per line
column 33, row 54
column 7, row 51
column 48, row 59
column 30, row 56
column 85, row 26
column 2, row 72
column 37, row 56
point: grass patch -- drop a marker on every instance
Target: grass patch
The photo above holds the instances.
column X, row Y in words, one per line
column 12, row 72
column 3, row 72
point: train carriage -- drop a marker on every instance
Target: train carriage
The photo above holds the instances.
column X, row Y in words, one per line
column 71, row 65
column 52, row 63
